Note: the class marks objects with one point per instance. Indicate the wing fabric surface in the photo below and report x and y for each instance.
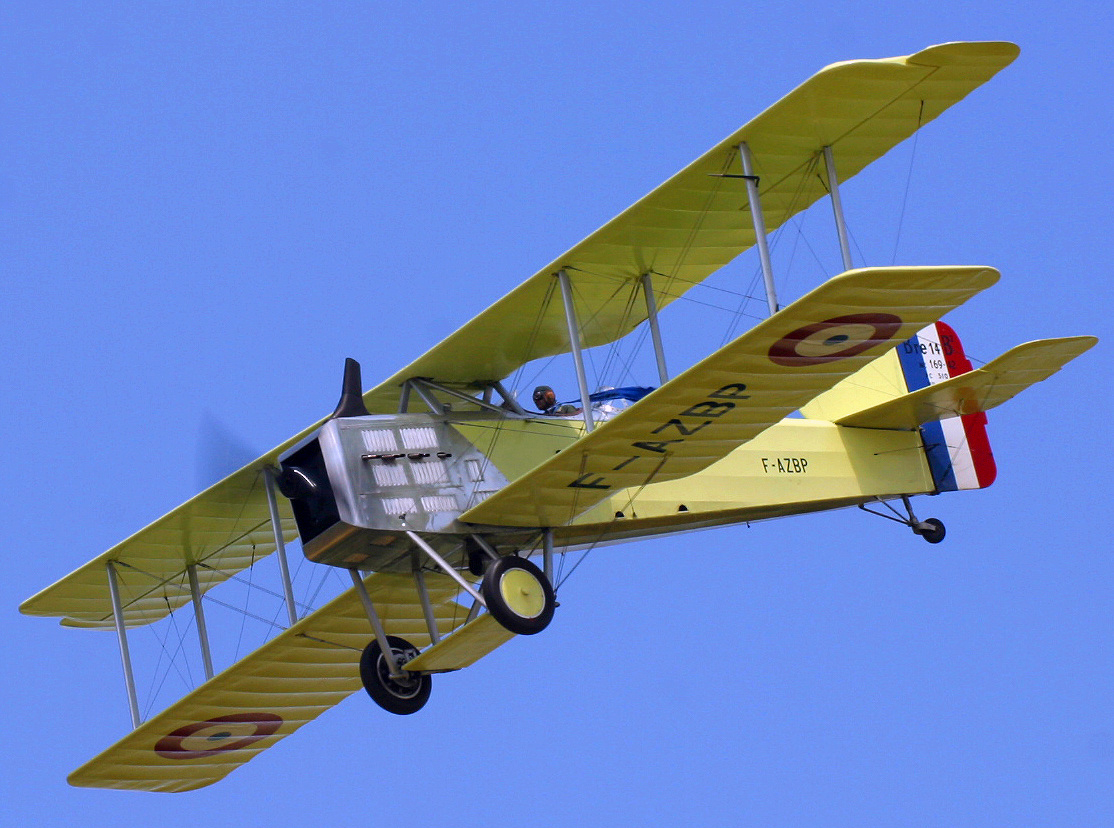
(738, 392)
(224, 530)
(976, 391)
(696, 222)
(289, 681)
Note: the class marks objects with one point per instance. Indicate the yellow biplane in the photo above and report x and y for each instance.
(434, 489)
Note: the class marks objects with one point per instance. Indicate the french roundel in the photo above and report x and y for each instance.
(833, 339)
(217, 735)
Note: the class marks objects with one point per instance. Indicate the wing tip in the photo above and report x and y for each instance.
(991, 53)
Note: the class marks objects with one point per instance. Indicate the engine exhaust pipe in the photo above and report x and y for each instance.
(351, 394)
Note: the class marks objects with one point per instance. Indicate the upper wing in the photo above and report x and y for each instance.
(269, 694)
(738, 392)
(980, 390)
(697, 221)
(224, 530)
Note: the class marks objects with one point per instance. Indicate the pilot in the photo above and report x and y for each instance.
(546, 402)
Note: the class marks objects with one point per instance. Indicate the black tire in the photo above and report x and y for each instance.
(932, 530)
(518, 595)
(401, 697)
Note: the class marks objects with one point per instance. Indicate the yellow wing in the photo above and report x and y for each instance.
(224, 530)
(980, 390)
(738, 392)
(269, 694)
(697, 221)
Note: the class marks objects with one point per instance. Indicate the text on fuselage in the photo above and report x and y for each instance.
(674, 431)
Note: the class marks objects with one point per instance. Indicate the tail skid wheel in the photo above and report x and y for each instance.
(401, 696)
(518, 595)
(931, 529)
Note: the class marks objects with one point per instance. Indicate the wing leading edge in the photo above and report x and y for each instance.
(738, 392)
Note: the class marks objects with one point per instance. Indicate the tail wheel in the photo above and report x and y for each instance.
(404, 695)
(931, 529)
(518, 595)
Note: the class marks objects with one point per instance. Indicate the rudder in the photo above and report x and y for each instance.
(958, 448)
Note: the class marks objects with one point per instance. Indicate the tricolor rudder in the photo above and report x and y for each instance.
(958, 448)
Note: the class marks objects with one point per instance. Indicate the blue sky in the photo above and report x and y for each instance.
(209, 205)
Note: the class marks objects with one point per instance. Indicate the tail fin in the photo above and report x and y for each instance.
(958, 448)
(927, 382)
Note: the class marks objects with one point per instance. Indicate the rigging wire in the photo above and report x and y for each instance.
(908, 182)
(247, 601)
(173, 662)
(152, 691)
(610, 524)
(616, 364)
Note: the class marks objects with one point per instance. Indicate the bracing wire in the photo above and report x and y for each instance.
(247, 601)
(608, 526)
(908, 183)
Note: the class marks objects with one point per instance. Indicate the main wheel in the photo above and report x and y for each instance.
(403, 695)
(518, 595)
(932, 530)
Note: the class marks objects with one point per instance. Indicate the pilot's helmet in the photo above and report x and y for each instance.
(544, 398)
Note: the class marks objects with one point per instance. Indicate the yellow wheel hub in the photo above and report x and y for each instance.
(522, 593)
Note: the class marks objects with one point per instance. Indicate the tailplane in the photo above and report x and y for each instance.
(927, 382)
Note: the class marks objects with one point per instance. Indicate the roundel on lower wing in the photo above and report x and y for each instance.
(838, 338)
(217, 735)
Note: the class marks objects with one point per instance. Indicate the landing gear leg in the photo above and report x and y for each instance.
(931, 529)
(390, 686)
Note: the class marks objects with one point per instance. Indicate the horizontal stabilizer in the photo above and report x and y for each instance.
(738, 392)
(976, 391)
(284, 684)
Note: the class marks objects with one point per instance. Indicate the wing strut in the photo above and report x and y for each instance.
(280, 547)
(122, 635)
(199, 615)
(759, 224)
(837, 207)
(655, 331)
(574, 344)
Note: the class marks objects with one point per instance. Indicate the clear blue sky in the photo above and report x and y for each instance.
(207, 206)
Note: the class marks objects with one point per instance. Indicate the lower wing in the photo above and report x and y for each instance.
(738, 392)
(284, 684)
